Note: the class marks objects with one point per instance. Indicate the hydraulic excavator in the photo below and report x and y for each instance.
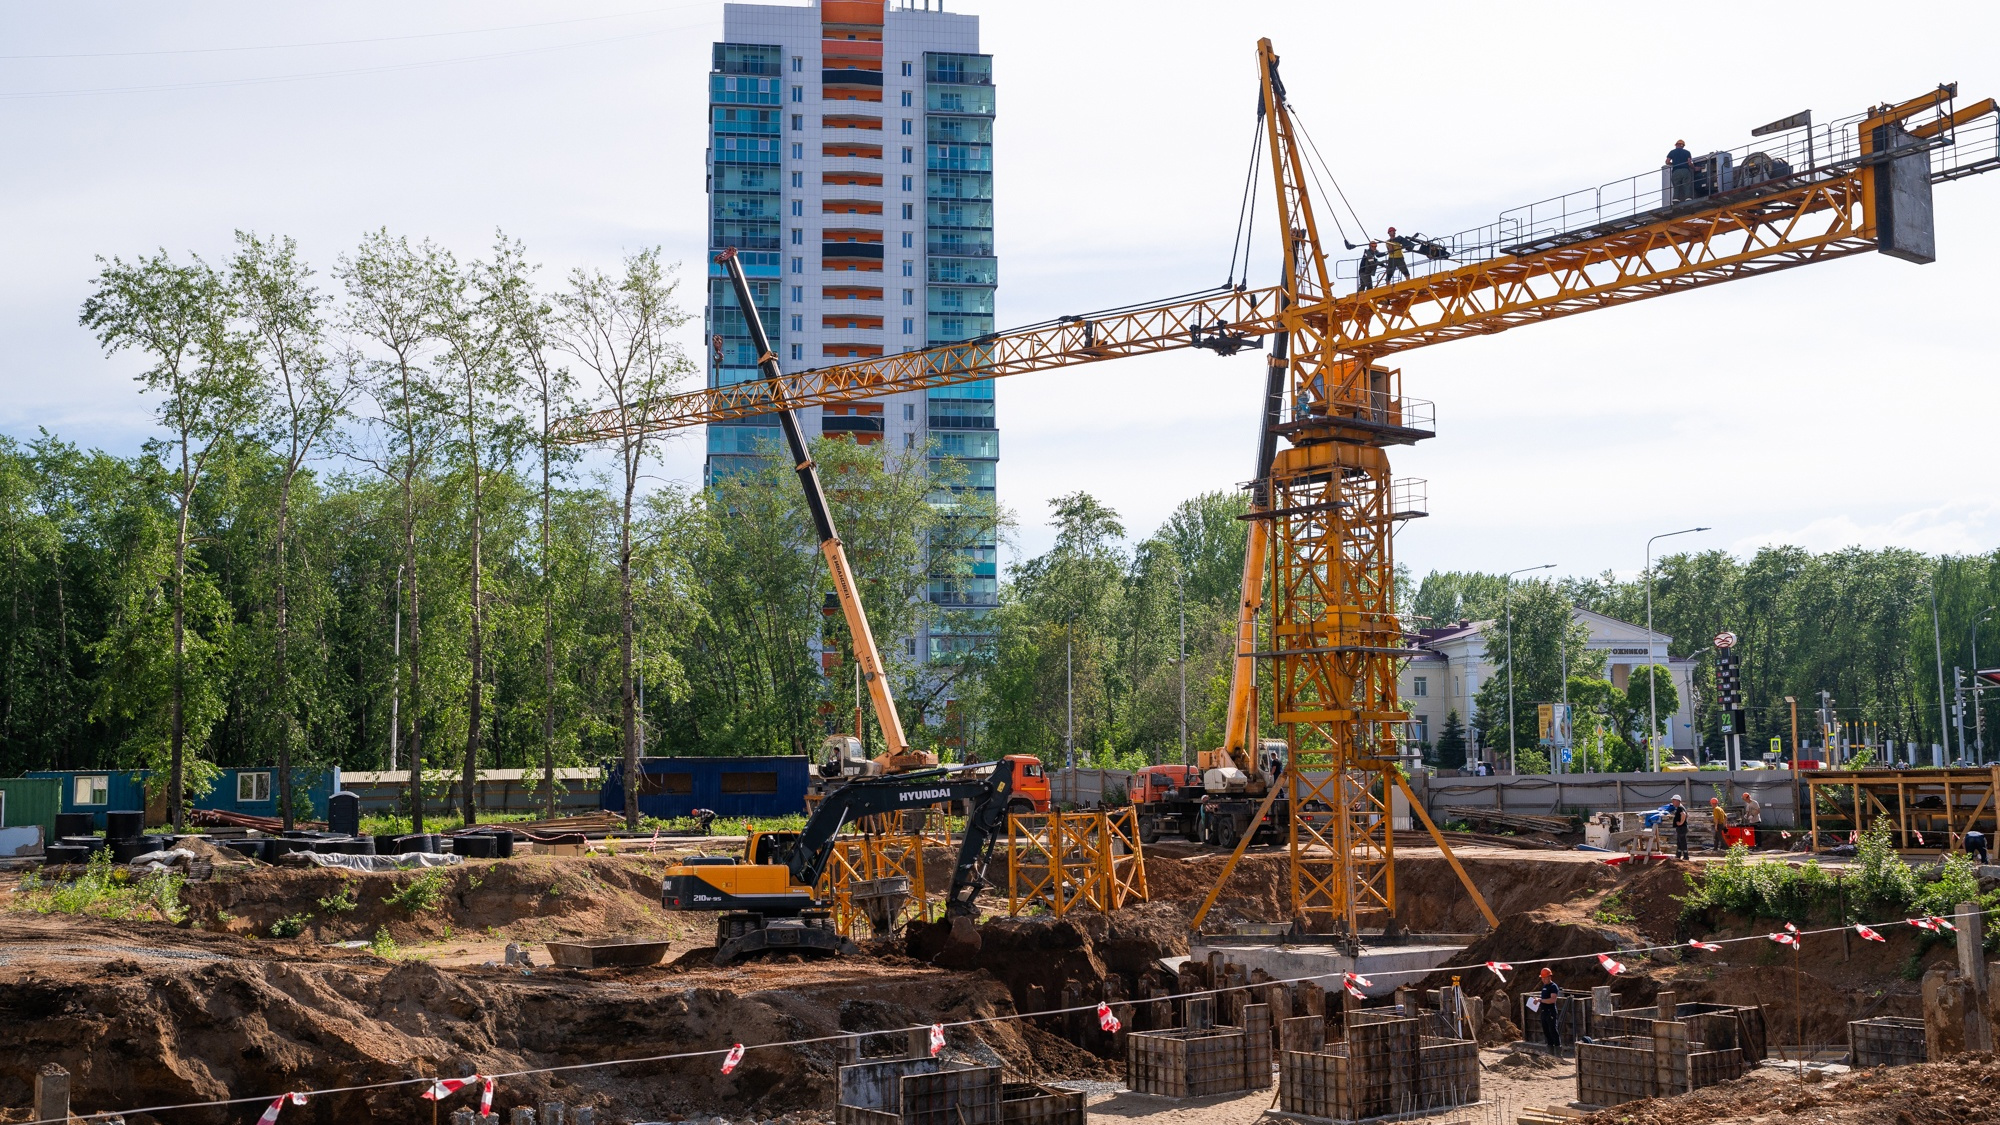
(769, 898)
(1323, 505)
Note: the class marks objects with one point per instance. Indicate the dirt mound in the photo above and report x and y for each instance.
(154, 1031)
(1522, 1058)
(1950, 1093)
(532, 898)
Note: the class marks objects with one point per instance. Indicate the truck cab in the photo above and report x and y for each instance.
(1031, 785)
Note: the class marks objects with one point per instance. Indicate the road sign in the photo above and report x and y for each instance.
(1725, 640)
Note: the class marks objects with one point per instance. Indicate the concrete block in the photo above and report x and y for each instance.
(52, 1093)
(463, 1116)
(552, 1113)
(521, 1115)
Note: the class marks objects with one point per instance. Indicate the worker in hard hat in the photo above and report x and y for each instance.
(1677, 815)
(1680, 170)
(1550, 1000)
(1371, 257)
(1720, 819)
(1396, 264)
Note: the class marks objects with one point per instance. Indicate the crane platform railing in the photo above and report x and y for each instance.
(1769, 165)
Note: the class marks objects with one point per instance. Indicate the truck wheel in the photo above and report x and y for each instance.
(1191, 833)
(1225, 835)
(1020, 808)
(1149, 830)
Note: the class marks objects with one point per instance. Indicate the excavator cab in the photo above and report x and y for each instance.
(842, 755)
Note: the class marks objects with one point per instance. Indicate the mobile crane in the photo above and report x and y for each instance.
(1326, 504)
(769, 898)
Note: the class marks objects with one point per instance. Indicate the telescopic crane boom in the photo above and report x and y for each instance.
(1325, 498)
(865, 652)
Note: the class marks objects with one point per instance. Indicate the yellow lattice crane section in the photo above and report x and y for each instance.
(1326, 506)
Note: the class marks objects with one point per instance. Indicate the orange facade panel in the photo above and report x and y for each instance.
(850, 121)
(849, 234)
(851, 206)
(854, 50)
(851, 351)
(855, 179)
(865, 13)
(832, 263)
(850, 320)
(852, 148)
(854, 409)
(851, 293)
(832, 92)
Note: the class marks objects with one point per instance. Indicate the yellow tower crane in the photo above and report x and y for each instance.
(1324, 504)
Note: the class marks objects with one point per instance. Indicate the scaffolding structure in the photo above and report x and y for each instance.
(1931, 810)
(883, 871)
(1061, 862)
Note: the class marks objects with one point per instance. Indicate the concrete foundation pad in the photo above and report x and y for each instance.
(1328, 967)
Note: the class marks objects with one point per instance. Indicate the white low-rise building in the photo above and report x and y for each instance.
(1451, 665)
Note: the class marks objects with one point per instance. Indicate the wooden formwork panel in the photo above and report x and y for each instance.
(1025, 1103)
(1185, 1063)
(855, 1115)
(1314, 1084)
(1256, 1047)
(1447, 1072)
(1886, 1041)
(1616, 1070)
(1709, 1068)
(953, 1097)
(1573, 1018)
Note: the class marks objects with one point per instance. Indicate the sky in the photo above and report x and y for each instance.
(1850, 403)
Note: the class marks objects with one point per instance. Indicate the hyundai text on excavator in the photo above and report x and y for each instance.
(769, 899)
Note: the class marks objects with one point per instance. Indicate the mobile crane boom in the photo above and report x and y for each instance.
(865, 652)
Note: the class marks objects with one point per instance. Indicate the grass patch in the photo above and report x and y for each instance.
(422, 893)
(104, 890)
(1614, 910)
(382, 945)
(341, 901)
(290, 926)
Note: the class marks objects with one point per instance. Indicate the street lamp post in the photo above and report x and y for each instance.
(1507, 599)
(1180, 592)
(1978, 726)
(1937, 640)
(1652, 692)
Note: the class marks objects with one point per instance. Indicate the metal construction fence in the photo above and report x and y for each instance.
(1552, 794)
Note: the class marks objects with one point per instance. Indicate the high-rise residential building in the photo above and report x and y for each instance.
(850, 163)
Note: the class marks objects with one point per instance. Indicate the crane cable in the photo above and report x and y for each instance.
(1247, 207)
(1313, 148)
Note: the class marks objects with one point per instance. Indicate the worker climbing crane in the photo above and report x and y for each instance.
(1320, 567)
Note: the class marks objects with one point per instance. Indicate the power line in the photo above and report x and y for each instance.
(347, 42)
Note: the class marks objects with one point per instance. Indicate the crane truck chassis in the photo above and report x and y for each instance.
(769, 898)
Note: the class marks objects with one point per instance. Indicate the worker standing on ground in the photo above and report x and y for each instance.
(1721, 821)
(1396, 263)
(1680, 169)
(1550, 999)
(1677, 815)
(1365, 271)
(1753, 813)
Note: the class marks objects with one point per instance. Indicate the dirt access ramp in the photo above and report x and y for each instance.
(1965, 1091)
(188, 1017)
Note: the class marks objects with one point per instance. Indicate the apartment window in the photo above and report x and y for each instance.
(906, 126)
(798, 265)
(907, 240)
(799, 207)
(1420, 687)
(909, 329)
(906, 70)
(798, 63)
(906, 183)
(909, 409)
(798, 179)
(798, 294)
(798, 122)
(909, 439)
(798, 151)
(798, 93)
(909, 157)
(909, 212)
(253, 786)
(798, 351)
(909, 268)
(906, 101)
(909, 296)
(1421, 729)
(91, 789)
(798, 323)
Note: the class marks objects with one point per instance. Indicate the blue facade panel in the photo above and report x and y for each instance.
(730, 787)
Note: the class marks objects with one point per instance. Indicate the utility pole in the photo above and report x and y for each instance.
(1978, 717)
(1793, 700)
(1958, 706)
(1652, 693)
(1180, 591)
(1561, 730)
(1937, 639)
(1069, 690)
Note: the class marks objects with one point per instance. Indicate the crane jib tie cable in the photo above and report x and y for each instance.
(1789, 932)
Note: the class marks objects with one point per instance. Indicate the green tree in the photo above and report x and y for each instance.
(1446, 597)
(1635, 708)
(1546, 640)
(179, 316)
(1451, 742)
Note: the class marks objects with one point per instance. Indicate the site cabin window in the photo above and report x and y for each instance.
(748, 782)
(1420, 687)
(666, 784)
(253, 787)
(92, 789)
